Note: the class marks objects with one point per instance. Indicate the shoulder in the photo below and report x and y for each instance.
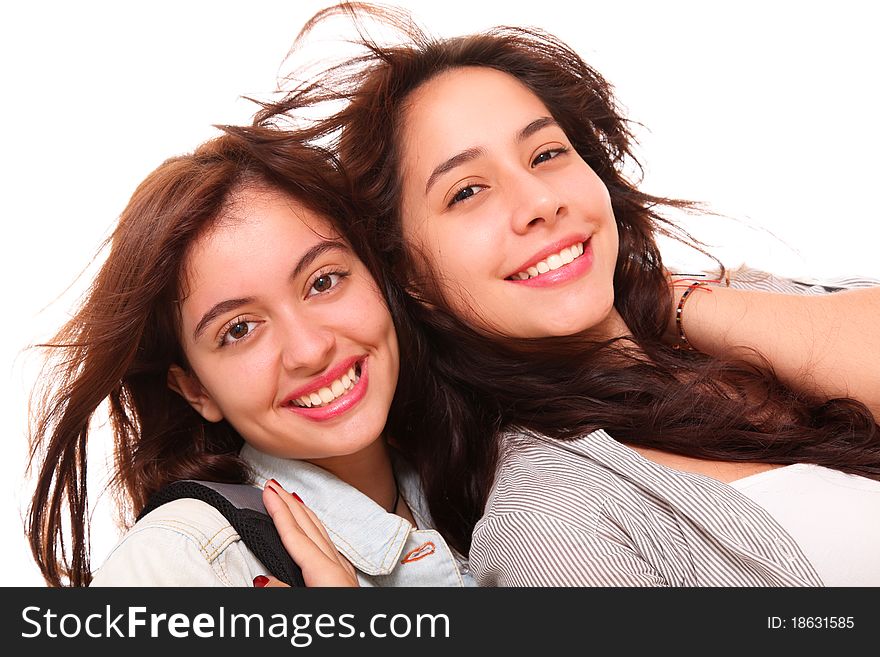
(546, 486)
(185, 542)
(554, 518)
(192, 519)
(564, 473)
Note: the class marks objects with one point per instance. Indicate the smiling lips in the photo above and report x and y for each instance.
(331, 397)
(552, 262)
(561, 266)
(335, 390)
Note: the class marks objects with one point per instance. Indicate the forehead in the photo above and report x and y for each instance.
(258, 212)
(464, 101)
(460, 110)
(258, 229)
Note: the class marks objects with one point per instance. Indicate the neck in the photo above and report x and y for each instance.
(368, 470)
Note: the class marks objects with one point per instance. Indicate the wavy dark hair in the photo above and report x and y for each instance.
(461, 388)
(118, 346)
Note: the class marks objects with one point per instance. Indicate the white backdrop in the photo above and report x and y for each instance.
(766, 111)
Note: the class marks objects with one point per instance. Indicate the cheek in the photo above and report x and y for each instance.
(369, 324)
(419, 246)
(596, 202)
(613, 235)
(238, 383)
(464, 252)
(593, 192)
(459, 254)
(366, 317)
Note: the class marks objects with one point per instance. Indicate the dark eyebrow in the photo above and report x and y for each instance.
(451, 163)
(231, 304)
(535, 126)
(316, 252)
(473, 153)
(216, 311)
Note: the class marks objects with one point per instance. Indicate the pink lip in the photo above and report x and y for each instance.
(323, 381)
(575, 269)
(339, 405)
(548, 251)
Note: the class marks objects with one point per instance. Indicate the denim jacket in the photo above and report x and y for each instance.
(189, 543)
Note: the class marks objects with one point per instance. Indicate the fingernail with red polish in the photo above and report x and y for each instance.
(299, 499)
(276, 483)
(260, 581)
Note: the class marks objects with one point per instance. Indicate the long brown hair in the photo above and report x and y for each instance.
(119, 344)
(460, 388)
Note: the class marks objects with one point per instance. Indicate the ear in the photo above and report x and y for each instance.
(190, 388)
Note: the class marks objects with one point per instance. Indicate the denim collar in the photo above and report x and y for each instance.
(365, 533)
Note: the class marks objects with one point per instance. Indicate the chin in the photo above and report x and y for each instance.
(561, 330)
(572, 323)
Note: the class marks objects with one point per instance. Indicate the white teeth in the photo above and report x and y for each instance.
(555, 261)
(327, 394)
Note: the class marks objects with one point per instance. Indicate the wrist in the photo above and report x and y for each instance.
(686, 295)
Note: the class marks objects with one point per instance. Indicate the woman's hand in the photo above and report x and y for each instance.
(306, 541)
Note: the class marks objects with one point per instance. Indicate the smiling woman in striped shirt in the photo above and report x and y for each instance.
(563, 434)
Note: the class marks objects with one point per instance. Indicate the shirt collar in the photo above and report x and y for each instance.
(366, 534)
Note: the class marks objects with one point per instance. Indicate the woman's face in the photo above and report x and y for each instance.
(516, 226)
(286, 333)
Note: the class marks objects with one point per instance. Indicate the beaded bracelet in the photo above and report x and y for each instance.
(682, 338)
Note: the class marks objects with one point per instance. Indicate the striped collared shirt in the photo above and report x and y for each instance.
(593, 512)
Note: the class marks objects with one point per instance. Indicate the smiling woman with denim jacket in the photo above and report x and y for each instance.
(236, 336)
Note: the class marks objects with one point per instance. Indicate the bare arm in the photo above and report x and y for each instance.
(825, 344)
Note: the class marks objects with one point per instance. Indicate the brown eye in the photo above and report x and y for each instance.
(322, 283)
(326, 282)
(239, 330)
(465, 193)
(548, 155)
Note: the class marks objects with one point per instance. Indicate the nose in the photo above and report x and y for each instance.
(537, 202)
(307, 345)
